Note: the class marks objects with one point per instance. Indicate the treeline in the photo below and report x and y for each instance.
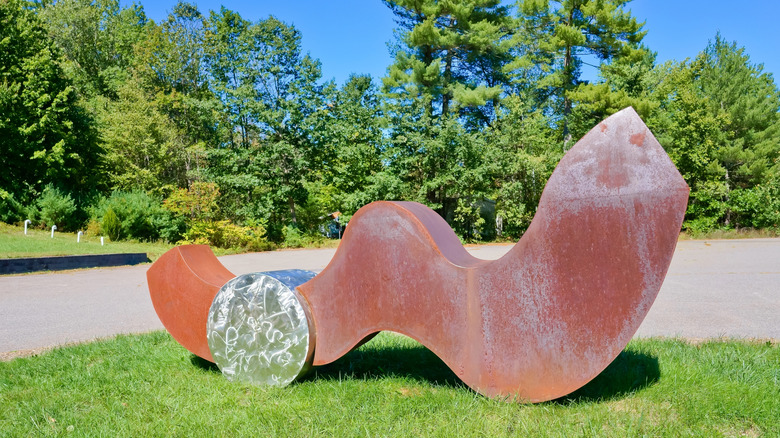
(208, 127)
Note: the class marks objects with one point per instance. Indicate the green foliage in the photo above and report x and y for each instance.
(719, 121)
(522, 154)
(441, 47)
(199, 202)
(56, 208)
(470, 118)
(140, 215)
(110, 225)
(758, 206)
(555, 35)
(225, 234)
(45, 136)
(143, 149)
(11, 210)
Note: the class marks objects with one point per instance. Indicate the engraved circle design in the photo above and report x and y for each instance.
(257, 328)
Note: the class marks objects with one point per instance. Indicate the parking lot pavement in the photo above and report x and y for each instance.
(714, 288)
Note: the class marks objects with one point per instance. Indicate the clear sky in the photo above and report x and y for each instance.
(351, 36)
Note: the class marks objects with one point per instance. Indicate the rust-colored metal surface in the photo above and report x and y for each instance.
(551, 314)
(182, 284)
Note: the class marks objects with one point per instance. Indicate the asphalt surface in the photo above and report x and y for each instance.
(719, 288)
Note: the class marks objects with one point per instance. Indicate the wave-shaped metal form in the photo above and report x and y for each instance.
(182, 285)
(534, 325)
(552, 313)
(258, 330)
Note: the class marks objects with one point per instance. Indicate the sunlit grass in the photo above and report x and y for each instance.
(148, 385)
(38, 243)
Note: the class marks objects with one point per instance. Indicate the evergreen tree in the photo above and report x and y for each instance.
(560, 34)
(718, 120)
(450, 53)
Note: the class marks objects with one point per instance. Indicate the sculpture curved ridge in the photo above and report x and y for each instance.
(534, 325)
(548, 316)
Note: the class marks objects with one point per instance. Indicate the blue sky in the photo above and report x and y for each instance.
(351, 36)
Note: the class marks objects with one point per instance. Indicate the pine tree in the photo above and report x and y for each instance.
(560, 34)
(451, 53)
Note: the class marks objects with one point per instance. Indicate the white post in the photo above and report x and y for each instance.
(53, 227)
(28, 221)
(101, 240)
(78, 236)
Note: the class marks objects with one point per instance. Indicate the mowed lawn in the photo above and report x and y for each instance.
(39, 243)
(147, 385)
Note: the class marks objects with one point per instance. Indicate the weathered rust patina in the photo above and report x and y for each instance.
(182, 283)
(552, 313)
(534, 325)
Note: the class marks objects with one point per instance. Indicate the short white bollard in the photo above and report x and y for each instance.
(53, 227)
(101, 240)
(78, 236)
(28, 221)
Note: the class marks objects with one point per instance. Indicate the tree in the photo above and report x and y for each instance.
(97, 40)
(449, 53)
(719, 121)
(520, 156)
(45, 136)
(143, 149)
(443, 87)
(170, 67)
(561, 33)
(269, 89)
(625, 81)
(351, 125)
(750, 102)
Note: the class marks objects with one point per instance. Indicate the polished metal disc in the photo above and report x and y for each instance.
(258, 329)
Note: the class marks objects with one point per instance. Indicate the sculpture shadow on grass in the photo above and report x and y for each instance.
(630, 372)
(203, 364)
(413, 362)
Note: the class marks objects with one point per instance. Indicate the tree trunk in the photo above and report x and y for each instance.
(445, 100)
(292, 210)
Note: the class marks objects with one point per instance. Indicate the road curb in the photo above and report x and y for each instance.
(60, 263)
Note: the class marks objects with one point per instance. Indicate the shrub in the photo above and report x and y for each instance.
(293, 238)
(56, 208)
(110, 225)
(225, 234)
(139, 214)
(199, 202)
(296, 238)
(10, 210)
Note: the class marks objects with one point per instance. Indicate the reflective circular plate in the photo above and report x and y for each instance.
(258, 330)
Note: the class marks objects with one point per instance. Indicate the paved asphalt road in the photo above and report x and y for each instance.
(713, 288)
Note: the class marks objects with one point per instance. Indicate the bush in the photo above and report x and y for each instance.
(295, 238)
(10, 210)
(56, 208)
(140, 215)
(757, 207)
(225, 234)
(110, 225)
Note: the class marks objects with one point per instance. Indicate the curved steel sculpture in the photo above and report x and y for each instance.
(534, 325)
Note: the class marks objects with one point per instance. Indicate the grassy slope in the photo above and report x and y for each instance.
(38, 243)
(147, 385)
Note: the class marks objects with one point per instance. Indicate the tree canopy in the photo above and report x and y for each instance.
(209, 112)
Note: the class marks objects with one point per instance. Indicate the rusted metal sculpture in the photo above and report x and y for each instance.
(534, 325)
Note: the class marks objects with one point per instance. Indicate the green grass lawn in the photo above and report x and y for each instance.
(39, 243)
(148, 385)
